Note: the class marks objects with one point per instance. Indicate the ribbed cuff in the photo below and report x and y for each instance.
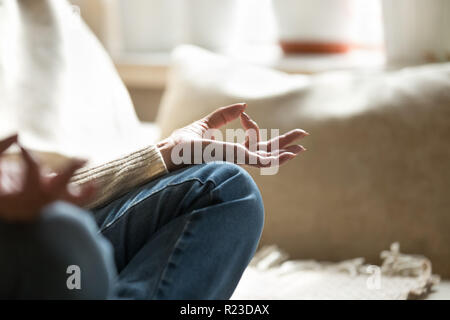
(119, 176)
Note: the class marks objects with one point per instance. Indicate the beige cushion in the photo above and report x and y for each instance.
(377, 169)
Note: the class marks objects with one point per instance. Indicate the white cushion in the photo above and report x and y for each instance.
(58, 87)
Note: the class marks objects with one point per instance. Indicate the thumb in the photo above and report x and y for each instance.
(223, 115)
(5, 144)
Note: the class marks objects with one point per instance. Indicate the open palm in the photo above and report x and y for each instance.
(277, 150)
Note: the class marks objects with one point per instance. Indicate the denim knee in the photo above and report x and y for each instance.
(60, 216)
(66, 237)
(237, 184)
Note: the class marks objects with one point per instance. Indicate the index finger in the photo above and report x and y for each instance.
(249, 125)
(32, 168)
(8, 142)
(223, 115)
(60, 181)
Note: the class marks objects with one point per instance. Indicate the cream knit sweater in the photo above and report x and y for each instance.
(59, 90)
(118, 176)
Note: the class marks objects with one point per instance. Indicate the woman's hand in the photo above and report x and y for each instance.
(25, 190)
(255, 152)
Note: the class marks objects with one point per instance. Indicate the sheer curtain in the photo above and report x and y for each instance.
(417, 31)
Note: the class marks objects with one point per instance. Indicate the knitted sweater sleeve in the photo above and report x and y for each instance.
(117, 177)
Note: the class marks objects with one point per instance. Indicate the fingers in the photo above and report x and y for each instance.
(81, 195)
(59, 188)
(295, 149)
(251, 127)
(223, 115)
(285, 139)
(33, 173)
(58, 184)
(8, 142)
(56, 187)
(238, 154)
(285, 157)
(266, 160)
(11, 176)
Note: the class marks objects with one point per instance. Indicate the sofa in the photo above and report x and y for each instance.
(377, 166)
(377, 169)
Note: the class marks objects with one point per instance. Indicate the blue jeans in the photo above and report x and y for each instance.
(187, 235)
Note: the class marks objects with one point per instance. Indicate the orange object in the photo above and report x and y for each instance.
(314, 47)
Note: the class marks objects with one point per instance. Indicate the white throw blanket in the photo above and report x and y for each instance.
(272, 276)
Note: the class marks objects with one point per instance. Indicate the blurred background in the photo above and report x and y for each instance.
(369, 79)
(295, 36)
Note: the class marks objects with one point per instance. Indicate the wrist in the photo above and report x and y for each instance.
(165, 148)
